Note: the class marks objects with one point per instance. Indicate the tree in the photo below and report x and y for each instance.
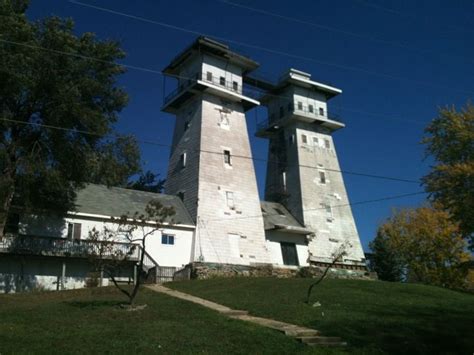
(147, 181)
(385, 261)
(41, 87)
(133, 229)
(336, 256)
(425, 245)
(449, 140)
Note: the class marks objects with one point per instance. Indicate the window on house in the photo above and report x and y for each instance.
(300, 105)
(235, 86)
(282, 112)
(74, 231)
(322, 177)
(321, 111)
(315, 141)
(180, 195)
(182, 160)
(310, 108)
(209, 76)
(304, 138)
(227, 157)
(229, 195)
(222, 81)
(327, 144)
(186, 126)
(167, 239)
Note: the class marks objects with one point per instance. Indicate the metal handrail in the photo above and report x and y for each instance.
(214, 80)
(268, 122)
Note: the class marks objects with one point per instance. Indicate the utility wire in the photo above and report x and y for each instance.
(213, 152)
(158, 72)
(265, 49)
(393, 197)
(337, 30)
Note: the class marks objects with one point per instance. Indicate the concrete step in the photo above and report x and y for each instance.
(300, 332)
(324, 341)
(235, 313)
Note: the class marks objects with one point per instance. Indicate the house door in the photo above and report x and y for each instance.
(289, 254)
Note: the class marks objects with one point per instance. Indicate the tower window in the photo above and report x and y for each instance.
(327, 144)
(222, 81)
(182, 160)
(227, 157)
(209, 76)
(321, 111)
(310, 108)
(315, 141)
(304, 138)
(300, 105)
(322, 177)
(235, 86)
(229, 195)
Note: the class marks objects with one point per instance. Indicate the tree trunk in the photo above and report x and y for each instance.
(6, 196)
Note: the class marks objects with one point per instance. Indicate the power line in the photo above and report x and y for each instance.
(336, 30)
(393, 197)
(268, 50)
(158, 72)
(214, 152)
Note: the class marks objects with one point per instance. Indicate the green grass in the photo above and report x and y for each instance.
(89, 321)
(371, 316)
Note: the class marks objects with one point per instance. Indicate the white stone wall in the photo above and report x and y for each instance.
(274, 239)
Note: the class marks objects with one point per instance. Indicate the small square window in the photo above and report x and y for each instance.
(235, 86)
(315, 141)
(227, 157)
(167, 239)
(321, 111)
(310, 108)
(300, 105)
(322, 177)
(327, 144)
(182, 160)
(222, 81)
(304, 138)
(209, 76)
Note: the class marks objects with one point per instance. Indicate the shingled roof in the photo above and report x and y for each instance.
(277, 217)
(115, 202)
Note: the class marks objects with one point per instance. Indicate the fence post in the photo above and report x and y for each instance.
(63, 275)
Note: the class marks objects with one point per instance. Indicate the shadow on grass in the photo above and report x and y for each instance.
(93, 304)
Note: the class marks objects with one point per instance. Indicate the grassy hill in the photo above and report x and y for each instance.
(373, 317)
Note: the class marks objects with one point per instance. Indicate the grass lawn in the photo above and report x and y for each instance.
(371, 316)
(89, 321)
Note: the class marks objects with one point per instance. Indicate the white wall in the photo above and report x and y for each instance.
(273, 240)
(176, 255)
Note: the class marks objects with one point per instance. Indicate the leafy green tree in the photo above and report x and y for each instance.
(449, 140)
(425, 245)
(41, 87)
(385, 261)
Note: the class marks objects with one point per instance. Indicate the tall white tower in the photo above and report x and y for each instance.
(210, 166)
(303, 170)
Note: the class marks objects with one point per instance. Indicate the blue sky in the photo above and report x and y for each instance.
(396, 62)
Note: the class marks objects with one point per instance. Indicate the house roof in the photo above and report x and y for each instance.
(277, 217)
(115, 202)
